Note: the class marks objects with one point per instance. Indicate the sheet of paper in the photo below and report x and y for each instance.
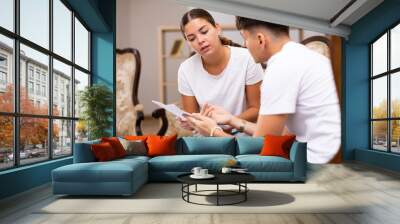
(172, 108)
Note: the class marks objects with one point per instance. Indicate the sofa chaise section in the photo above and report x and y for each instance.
(87, 177)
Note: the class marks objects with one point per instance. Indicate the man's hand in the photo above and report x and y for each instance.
(202, 124)
(218, 114)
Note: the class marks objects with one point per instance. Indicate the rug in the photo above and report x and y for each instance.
(166, 198)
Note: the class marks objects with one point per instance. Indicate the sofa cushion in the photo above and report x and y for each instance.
(161, 145)
(134, 147)
(206, 145)
(112, 171)
(83, 152)
(257, 163)
(185, 163)
(277, 145)
(103, 152)
(249, 145)
(116, 145)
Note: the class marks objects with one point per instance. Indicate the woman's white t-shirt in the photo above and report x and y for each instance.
(227, 89)
(299, 82)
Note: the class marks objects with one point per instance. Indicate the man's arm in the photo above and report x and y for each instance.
(266, 125)
(253, 102)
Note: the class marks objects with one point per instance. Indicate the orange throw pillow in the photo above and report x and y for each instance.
(116, 145)
(161, 145)
(277, 145)
(103, 152)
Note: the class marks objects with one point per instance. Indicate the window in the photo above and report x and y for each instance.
(6, 73)
(30, 72)
(3, 72)
(81, 45)
(7, 14)
(38, 89)
(30, 87)
(44, 91)
(385, 91)
(37, 74)
(35, 22)
(54, 125)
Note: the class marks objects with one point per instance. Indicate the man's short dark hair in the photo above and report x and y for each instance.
(243, 23)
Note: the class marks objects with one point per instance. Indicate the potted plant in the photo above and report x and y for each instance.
(96, 102)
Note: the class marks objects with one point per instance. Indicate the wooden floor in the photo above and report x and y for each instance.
(378, 188)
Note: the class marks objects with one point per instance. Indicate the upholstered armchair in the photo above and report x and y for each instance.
(129, 111)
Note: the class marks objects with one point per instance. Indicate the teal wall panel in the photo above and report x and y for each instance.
(356, 71)
(100, 17)
(24, 178)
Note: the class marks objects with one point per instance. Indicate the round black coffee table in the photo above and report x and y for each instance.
(238, 179)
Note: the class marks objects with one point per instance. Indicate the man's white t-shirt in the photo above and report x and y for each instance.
(226, 89)
(300, 82)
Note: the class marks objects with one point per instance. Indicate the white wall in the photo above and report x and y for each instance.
(137, 27)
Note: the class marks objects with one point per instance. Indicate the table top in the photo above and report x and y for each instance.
(220, 178)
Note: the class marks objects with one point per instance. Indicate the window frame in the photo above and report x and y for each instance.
(16, 114)
(388, 74)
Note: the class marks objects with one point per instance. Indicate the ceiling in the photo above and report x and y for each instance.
(325, 16)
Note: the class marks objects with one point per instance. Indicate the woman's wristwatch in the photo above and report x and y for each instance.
(214, 129)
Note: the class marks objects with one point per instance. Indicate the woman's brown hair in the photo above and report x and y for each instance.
(198, 13)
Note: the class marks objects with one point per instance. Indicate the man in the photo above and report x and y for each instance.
(298, 92)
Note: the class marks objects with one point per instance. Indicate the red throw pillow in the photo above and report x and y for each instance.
(136, 138)
(116, 145)
(277, 145)
(161, 145)
(103, 151)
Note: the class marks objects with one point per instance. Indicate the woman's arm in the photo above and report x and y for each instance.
(189, 104)
(253, 103)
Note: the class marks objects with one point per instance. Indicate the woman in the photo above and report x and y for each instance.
(218, 74)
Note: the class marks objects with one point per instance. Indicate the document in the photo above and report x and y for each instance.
(172, 108)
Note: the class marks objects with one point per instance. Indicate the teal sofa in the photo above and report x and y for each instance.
(125, 176)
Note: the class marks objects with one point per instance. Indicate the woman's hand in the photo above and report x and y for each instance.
(184, 123)
(202, 124)
(218, 114)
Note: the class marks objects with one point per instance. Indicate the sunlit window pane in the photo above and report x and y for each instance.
(379, 56)
(395, 95)
(35, 21)
(81, 131)
(6, 74)
(81, 45)
(379, 98)
(6, 142)
(62, 138)
(34, 143)
(379, 135)
(81, 81)
(34, 72)
(7, 14)
(62, 89)
(62, 29)
(395, 136)
(395, 47)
